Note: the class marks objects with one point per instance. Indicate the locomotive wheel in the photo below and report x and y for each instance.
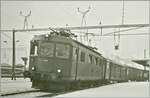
(79, 85)
(76, 85)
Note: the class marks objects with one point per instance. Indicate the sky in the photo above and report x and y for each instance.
(59, 13)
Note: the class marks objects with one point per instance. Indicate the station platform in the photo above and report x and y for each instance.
(9, 86)
(129, 89)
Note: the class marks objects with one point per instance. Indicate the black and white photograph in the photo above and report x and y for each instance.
(73, 48)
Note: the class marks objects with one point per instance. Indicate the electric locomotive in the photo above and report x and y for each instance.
(59, 62)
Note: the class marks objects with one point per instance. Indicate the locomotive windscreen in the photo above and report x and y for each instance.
(54, 49)
(62, 50)
(47, 49)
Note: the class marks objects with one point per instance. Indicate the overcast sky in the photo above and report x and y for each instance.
(60, 13)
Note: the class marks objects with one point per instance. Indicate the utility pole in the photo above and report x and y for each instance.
(149, 47)
(100, 23)
(123, 12)
(13, 57)
(5, 52)
(118, 35)
(144, 53)
(84, 20)
(25, 19)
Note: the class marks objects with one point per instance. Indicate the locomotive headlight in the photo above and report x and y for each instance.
(46, 35)
(58, 70)
(33, 68)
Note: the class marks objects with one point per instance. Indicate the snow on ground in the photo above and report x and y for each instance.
(129, 89)
(8, 86)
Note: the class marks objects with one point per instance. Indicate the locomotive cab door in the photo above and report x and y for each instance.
(75, 62)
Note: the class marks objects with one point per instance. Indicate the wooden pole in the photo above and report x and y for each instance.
(13, 57)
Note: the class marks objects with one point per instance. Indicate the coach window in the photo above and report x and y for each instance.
(127, 71)
(47, 49)
(118, 70)
(82, 57)
(62, 50)
(108, 65)
(145, 74)
(90, 59)
(141, 74)
(96, 61)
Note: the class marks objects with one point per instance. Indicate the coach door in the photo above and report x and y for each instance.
(107, 70)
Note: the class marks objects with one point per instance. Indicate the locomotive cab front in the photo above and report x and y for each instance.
(50, 60)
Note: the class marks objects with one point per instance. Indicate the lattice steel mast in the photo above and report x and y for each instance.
(83, 21)
(25, 19)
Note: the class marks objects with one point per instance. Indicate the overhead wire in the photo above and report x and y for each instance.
(124, 30)
(80, 28)
(107, 34)
(113, 34)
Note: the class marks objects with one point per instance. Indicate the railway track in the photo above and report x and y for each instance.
(21, 92)
(34, 93)
(28, 94)
(42, 93)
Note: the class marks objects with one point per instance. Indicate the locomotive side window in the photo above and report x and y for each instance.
(96, 61)
(90, 59)
(100, 62)
(82, 57)
(47, 49)
(75, 53)
(62, 50)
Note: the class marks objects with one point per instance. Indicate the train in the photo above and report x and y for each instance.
(60, 62)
